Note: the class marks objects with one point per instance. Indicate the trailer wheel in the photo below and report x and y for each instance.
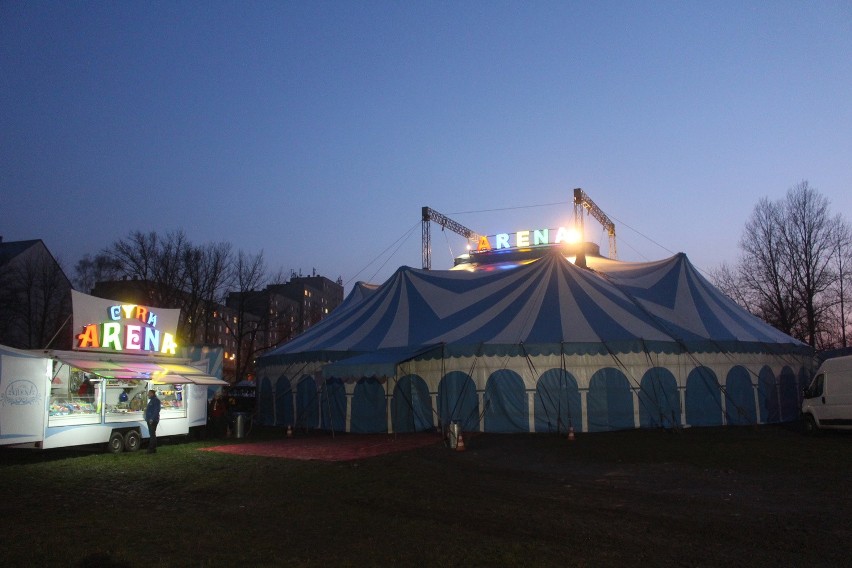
(116, 443)
(132, 441)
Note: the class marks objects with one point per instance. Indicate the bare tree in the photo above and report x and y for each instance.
(90, 270)
(839, 295)
(245, 326)
(35, 302)
(136, 255)
(790, 272)
(207, 273)
(811, 235)
(159, 265)
(170, 270)
(765, 272)
(726, 278)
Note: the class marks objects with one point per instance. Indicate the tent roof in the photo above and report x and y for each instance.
(621, 306)
(375, 364)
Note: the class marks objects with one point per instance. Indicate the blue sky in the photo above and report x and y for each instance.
(316, 131)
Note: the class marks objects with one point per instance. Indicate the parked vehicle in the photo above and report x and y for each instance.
(827, 402)
(61, 399)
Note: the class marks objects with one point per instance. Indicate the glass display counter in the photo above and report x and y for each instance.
(72, 403)
(84, 398)
(172, 403)
(64, 410)
(125, 400)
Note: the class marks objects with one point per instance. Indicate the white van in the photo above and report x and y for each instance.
(827, 401)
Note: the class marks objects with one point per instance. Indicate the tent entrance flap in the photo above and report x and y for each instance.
(377, 364)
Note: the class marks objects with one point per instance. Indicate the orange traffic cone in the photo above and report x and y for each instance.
(289, 431)
(460, 443)
(570, 433)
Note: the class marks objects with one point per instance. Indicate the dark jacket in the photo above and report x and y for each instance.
(152, 411)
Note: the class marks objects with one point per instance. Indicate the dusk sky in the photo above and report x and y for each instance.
(316, 131)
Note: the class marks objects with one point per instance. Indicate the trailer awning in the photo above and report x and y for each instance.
(173, 380)
(195, 375)
(158, 372)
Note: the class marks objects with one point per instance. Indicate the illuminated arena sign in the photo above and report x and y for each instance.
(127, 328)
(524, 239)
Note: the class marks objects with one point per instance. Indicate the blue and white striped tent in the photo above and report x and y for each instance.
(541, 347)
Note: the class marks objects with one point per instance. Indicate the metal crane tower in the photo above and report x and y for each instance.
(583, 201)
(429, 215)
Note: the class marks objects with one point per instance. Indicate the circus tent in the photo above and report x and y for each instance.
(542, 347)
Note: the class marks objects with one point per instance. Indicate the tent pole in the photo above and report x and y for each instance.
(328, 407)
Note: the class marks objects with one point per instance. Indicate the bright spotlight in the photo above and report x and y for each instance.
(573, 235)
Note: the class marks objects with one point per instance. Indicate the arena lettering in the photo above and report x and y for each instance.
(524, 239)
(118, 337)
(121, 334)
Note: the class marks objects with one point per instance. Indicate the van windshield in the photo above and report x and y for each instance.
(817, 386)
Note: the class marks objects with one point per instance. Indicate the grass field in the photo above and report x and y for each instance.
(698, 497)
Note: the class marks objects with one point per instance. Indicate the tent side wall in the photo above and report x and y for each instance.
(552, 393)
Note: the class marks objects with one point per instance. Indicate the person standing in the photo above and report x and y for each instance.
(152, 417)
(218, 415)
(86, 390)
